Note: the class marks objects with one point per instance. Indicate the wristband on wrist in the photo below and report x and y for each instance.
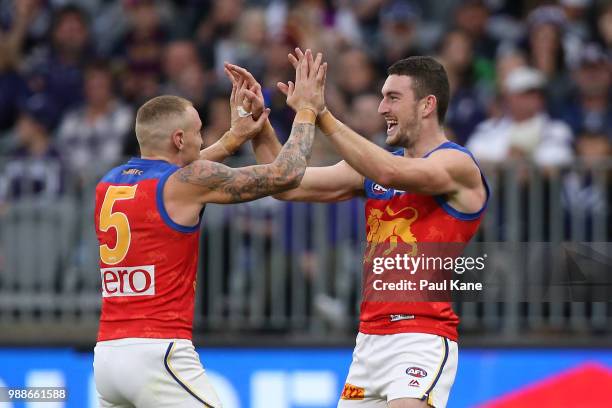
(310, 109)
(327, 122)
(307, 115)
(227, 144)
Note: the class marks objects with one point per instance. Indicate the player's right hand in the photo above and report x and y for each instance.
(253, 100)
(243, 128)
(308, 91)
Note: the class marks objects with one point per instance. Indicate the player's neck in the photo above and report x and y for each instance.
(425, 143)
(159, 156)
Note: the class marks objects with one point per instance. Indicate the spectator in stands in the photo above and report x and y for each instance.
(577, 30)
(545, 48)
(59, 73)
(34, 167)
(91, 137)
(398, 32)
(367, 13)
(24, 25)
(365, 119)
(214, 32)
(277, 68)
(13, 88)
(583, 193)
(465, 110)
(604, 27)
(177, 55)
(593, 148)
(140, 48)
(525, 130)
(183, 73)
(507, 61)
(590, 110)
(217, 119)
(142, 44)
(355, 74)
(472, 17)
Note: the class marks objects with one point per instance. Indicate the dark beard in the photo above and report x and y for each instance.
(407, 139)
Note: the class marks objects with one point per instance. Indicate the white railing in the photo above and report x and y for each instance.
(292, 268)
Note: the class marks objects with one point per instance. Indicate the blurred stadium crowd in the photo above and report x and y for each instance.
(528, 78)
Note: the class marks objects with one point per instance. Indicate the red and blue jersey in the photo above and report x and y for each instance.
(148, 262)
(406, 219)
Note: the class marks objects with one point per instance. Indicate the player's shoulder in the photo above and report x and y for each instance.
(458, 161)
(453, 152)
(136, 170)
(112, 174)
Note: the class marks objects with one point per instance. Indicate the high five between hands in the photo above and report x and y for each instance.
(306, 93)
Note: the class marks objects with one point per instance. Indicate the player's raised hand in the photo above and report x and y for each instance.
(243, 125)
(309, 88)
(254, 101)
(294, 60)
(246, 127)
(242, 101)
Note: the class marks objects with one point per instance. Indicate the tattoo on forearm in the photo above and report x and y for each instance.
(248, 183)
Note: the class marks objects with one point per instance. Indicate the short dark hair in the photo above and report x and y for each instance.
(67, 10)
(428, 78)
(99, 65)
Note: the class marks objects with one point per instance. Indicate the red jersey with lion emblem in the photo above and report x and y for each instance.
(148, 263)
(401, 220)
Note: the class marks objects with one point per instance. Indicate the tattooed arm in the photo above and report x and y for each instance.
(205, 181)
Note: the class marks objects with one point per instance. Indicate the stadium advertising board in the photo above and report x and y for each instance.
(314, 378)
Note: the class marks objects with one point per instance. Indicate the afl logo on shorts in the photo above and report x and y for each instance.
(378, 189)
(128, 281)
(416, 372)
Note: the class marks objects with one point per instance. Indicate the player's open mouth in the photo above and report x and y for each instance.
(391, 125)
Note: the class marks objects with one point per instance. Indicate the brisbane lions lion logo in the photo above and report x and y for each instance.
(391, 227)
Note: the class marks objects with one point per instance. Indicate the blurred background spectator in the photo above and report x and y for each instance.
(525, 130)
(56, 69)
(366, 120)
(589, 108)
(583, 195)
(466, 109)
(492, 51)
(34, 168)
(91, 137)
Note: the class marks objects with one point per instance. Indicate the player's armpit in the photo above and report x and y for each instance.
(326, 184)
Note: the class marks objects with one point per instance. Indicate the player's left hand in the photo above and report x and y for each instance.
(309, 87)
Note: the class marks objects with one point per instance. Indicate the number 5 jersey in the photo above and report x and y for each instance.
(148, 263)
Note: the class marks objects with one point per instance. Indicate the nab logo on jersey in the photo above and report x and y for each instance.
(378, 189)
(128, 281)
